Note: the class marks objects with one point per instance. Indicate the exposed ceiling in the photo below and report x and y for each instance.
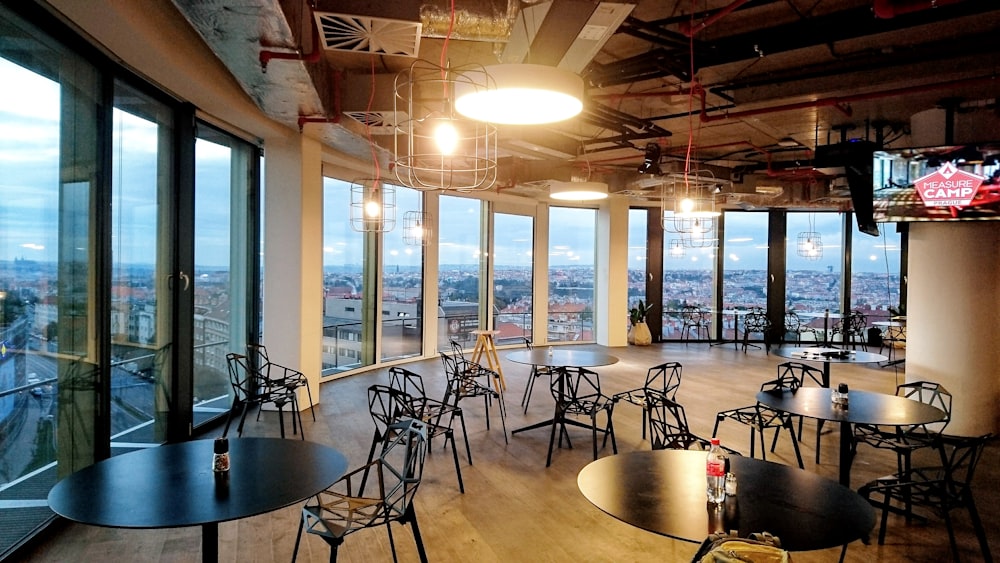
(772, 79)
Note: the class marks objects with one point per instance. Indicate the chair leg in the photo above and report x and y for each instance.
(298, 538)
(450, 435)
(795, 445)
(977, 525)
(526, 398)
(410, 517)
(465, 435)
(229, 417)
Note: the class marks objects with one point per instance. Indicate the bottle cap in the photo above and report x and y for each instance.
(715, 441)
(842, 388)
(221, 445)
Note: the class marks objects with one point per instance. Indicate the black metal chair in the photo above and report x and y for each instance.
(291, 378)
(669, 430)
(250, 388)
(852, 329)
(438, 416)
(536, 372)
(905, 440)
(760, 418)
(467, 380)
(940, 489)
(577, 392)
(661, 381)
(344, 508)
(754, 322)
(697, 319)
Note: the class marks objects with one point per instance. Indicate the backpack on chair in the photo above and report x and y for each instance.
(756, 548)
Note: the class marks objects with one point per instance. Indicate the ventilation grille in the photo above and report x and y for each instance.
(366, 34)
(378, 122)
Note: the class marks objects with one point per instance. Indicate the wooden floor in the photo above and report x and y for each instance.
(516, 509)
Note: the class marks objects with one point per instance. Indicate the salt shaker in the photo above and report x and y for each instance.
(220, 460)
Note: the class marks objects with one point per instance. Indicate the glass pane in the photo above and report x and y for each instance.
(688, 274)
(512, 275)
(141, 234)
(49, 350)
(572, 236)
(813, 269)
(343, 277)
(875, 268)
(744, 278)
(637, 219)
(458, 271)
(223, 175)
(403, 281)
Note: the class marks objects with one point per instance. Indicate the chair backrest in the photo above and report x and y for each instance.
(527, 343)
(756, 321)
(407, 381)
(929, 393)
(581, 388)
(857, 322)
(239, 375)
(959, 456)
(402, 466)
(694, 315)
(664, 378)
(458, 352)
(387, 405)
(792, 322)
(799, 371)
(668, 427)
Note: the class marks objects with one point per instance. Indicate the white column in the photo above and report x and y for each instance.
(611, 285)
(293, 256)
(952, 309)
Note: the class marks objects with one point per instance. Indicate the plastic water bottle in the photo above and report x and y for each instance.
(715, 473)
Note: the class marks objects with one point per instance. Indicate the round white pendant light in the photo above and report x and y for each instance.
(524, 94)
(578, 191)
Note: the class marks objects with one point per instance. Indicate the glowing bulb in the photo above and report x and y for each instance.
(697, 228)
(417, 232)
(446, 137)
(372, 209)
(687, 205)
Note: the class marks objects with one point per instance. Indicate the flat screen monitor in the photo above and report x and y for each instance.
(944, 183)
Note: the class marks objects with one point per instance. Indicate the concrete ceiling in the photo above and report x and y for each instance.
(773, 79)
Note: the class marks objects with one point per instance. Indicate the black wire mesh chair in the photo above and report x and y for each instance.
(282, 375)
(754, 322)
(345, 508)
(577, 392)
(905, 440)
(697, 319)
(852, 330)
(251, 389)
(940, 489)
(669, 430)
(662, 380)
(760, 418)
(467, 379)
(536, 372)
(439, 417)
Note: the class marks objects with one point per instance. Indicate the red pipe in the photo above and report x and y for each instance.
(886, 9)
(836, 101)
(311, 57)
(689, 29)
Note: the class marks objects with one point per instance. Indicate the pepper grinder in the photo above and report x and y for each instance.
(220, 460)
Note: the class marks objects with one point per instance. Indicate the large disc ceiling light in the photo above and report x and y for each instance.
(578, 191)
(520, 94)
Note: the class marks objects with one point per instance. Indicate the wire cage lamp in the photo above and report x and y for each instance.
(676, 249)
(810, 243)
(688, 201)
(437, 148)
(416, 229)
(373, 206)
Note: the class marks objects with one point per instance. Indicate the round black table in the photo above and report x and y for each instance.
(828, 356)
(663, 491)
(864, 407)
(173, 485)
(559, 357)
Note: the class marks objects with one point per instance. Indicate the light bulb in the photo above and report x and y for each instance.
(687, 205)
(697, 228)
(446, 137)
(417, 232)
(372, 209)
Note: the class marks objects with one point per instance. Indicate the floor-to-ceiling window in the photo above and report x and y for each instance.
(744, 263)
(226, 173)
(460, 269)
(343, 281)
(402, 278)
(875, 272)
(813, 269)
(637, 219)
(572, 259)
(512, 277)
(688, 273)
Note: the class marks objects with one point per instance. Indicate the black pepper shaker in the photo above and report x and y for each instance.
(220, 460)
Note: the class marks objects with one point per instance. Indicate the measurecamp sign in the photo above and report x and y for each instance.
(948, 186)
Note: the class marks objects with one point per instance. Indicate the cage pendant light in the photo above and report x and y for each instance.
(373, 206)
(676, 249)
(416, 230)
(435, 147)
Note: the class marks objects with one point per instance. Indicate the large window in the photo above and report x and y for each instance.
(402, 280)
(688, 274)
(343, 281)
(875, 272)
(572, 237)
(637, 256)
(813, 270)
(744, 276)
(460, 268)
(512, 275)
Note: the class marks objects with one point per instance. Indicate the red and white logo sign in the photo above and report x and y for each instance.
(947, 187)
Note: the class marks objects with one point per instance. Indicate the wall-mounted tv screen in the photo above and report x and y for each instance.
(946, 183)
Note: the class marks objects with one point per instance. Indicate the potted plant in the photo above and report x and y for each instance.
(639, 333)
